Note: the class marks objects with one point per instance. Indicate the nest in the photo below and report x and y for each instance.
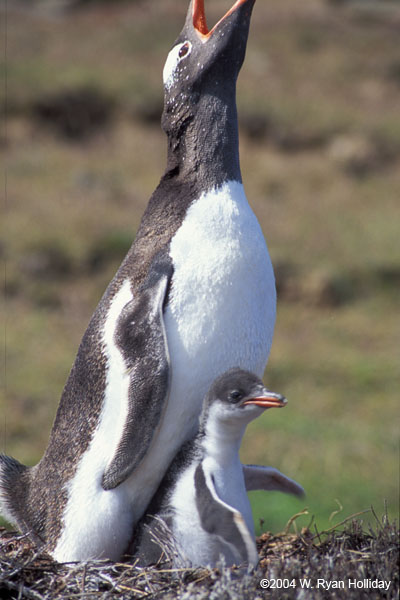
(287, 559)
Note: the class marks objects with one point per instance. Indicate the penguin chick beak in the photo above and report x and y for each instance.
(269, 400)
(199, 18)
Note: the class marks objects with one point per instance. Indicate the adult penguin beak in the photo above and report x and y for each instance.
(199, 16)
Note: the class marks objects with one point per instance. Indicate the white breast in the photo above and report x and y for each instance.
(221, 312)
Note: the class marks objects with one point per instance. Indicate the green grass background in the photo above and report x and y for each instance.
(323, 79)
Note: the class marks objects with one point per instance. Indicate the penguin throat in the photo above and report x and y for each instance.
(221, 441)
(204, 145)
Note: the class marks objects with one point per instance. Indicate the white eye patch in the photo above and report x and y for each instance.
(177, 54)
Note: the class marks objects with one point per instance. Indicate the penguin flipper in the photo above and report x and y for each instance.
(257, 477)
(140, 334)
(223, 520)
(11, 473)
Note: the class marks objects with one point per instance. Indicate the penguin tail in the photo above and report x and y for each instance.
(11, 474)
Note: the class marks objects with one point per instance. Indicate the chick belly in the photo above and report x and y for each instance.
(195, 546)
(198, 548)
(231, 489)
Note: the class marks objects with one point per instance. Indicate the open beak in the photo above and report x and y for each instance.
(199, 17)
(270, 400)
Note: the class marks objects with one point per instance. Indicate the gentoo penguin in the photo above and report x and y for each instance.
(201, 511)
(194, 296)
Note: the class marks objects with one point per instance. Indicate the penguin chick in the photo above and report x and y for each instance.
(201, 513)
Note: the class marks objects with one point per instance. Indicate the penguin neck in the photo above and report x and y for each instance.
(221, 441)
(205, 147)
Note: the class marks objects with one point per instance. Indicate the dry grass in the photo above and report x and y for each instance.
(334, 556)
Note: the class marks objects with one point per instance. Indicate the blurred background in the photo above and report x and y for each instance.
(319, 109)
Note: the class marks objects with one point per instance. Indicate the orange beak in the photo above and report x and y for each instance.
(199, 18)
(268, 401)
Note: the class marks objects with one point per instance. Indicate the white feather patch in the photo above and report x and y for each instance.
(221, 312)
(173, 60)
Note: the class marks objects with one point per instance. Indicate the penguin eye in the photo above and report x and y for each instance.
(184, 49)
(178, 53)
(235, 396)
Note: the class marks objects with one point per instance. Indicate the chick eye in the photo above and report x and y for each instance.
(235, 396)
(184, 49)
